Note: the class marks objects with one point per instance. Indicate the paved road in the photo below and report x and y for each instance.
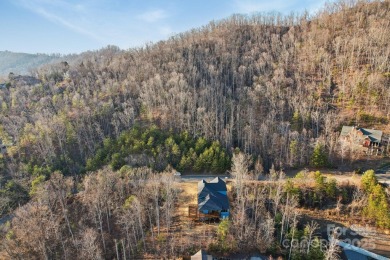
(383, 178)
(5, 218)
(200, 177)
(383, 175)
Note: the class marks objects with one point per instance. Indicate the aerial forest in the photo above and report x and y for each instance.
(91, 146)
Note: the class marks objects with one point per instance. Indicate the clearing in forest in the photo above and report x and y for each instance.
(191, 233)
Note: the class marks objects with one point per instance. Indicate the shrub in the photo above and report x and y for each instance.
(319, 157)
(368, 180)
(378, 204)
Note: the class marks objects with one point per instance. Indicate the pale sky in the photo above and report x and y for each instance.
(74, 26)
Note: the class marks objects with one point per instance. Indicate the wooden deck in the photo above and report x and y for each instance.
(196, 215)
(193, 211)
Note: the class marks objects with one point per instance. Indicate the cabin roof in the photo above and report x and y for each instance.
(201, 255)
(212, 195)
(217, 184)
(346, 130)
(372, 134)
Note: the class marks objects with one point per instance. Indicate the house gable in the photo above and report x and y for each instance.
(212, 197)
(360, 134)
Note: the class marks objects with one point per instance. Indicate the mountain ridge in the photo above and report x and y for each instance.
(263, 83)
(24, 63)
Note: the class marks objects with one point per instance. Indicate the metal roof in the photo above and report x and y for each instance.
(217, 184)
(346, 130)
(212, 201)
(372, 134)
(211, 197)
(201, 255)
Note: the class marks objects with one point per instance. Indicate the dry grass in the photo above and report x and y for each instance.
(191, 234)
(189, 190)
(343, 178)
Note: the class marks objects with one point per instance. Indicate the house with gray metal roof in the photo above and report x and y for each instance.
(364, 136)
(212, 199)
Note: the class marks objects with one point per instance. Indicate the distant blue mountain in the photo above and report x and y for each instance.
(21, 63)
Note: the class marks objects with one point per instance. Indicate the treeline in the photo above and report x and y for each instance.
(107, 215)
(314, 190)
(140, 146)
(268, 216)
(23, 62)
(135, 213)
(157, 149)
(367, 200)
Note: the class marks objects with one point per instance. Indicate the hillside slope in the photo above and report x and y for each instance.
(273, 86)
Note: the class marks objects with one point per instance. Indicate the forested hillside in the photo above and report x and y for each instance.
(276, 87)
(273, 86)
